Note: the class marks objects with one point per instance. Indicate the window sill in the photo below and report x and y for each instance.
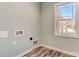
(67, 36)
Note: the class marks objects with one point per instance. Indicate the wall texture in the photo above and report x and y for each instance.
(18, 16)
(47, 31)
(26, 16)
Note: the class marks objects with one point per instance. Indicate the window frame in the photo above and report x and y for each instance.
(76, 22)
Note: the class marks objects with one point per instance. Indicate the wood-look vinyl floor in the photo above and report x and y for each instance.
(46, 52)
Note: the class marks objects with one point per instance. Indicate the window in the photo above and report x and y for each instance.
(65, 19)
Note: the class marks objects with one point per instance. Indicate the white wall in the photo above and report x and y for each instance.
(47, 34)
(26, 16)
(18, 16)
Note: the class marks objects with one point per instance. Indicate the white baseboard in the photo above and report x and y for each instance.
(27, 51)
(64, 51)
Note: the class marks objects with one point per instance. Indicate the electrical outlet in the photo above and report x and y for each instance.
(14, 42)
(3, 34)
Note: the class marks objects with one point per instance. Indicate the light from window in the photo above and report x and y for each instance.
(65, 22)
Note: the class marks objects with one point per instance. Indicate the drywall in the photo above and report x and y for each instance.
(47, 31)
(18, 16)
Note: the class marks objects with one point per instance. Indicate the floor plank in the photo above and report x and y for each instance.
(46, 52)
